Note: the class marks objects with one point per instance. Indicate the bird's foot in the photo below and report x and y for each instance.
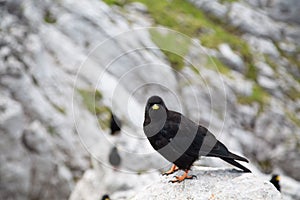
(173, 169)
(183, 177)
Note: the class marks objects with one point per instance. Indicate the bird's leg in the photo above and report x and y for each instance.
(173, 169)
(183, 177)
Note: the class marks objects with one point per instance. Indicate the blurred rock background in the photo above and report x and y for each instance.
(232, 65)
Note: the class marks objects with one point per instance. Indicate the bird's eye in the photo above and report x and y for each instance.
(155, 107)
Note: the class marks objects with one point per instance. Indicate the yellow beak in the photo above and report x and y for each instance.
(155, 107)
(278, 178)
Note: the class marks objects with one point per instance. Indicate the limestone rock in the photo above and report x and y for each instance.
(212, 7)
(267, 83)
(264, 69)
(212, 184)
(50, 142)
(253, 22)
(284, 10)
(264, 46)
(230, 58)
(11, 117)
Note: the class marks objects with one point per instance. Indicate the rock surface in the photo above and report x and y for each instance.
(254, 22)
(55, 55)
(212, 184)
(231, 59)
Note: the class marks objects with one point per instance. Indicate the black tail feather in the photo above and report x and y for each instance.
(233, 162)
(236, 157)
(227, 155)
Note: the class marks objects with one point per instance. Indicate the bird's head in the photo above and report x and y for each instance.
(105, 197)
(155, 114)
(276, 177)
(156, 108)
(155, 103)
(275, 181)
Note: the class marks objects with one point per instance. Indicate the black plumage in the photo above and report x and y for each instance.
(275, 181)
(105, 197)
(180, 140)
(114, 157)
(115, 124)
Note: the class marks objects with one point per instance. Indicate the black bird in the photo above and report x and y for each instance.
(105, 197)
(115, 124)
(114, 157)
(180, 140)
(275, 181)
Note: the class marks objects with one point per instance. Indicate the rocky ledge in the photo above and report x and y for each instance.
(212, 183)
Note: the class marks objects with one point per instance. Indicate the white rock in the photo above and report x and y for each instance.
(11, 117)
(89, 187)
(267, 83)
(253, 21)
(117, 184)
(211, 6)
(285, 10)
(212, 184)
(230, 58)
(36, 138)
(293, 33)
(264, 46)
(288, 47)
(38, 66)
(137, 6)
(265, 69)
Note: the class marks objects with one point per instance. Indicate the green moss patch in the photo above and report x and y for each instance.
(266, 165)
(59, 109)
(115, 2)
(292, 58)
(52, 130)
(228, 1)
(270, 62)
(184, 17)
(173, 44)
(293, 118)
(49, 17)
(90, 98)
(258, 95)
(216, 64)
(92, 101)
(293, 94)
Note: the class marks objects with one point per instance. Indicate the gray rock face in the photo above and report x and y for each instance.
(264, 46)
(52, 147)
(231, 59)
(212, 6)
(118, 184)
(265, 69)
(11, 117)
(253, 22)
(267, 83)
(280, 9)
(15, 164)
(212, 184)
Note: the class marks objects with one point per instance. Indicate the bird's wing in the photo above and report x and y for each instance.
(187, 137)
(220, 150)
(193, 139)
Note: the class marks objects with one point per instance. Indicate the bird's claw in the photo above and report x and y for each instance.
(193, 176)
(167, 173)
(171, 171)
(182, 178)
